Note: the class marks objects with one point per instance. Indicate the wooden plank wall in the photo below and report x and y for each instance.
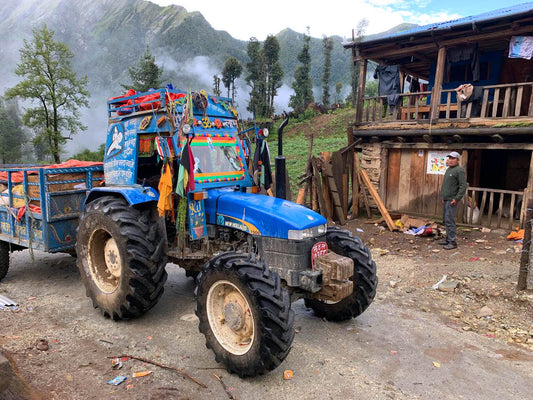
(409, 188)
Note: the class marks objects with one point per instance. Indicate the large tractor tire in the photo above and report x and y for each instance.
(4, 259)
(244, 313)
(365, 280)
(121, 257)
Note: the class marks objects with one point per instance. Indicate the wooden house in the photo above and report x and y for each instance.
(490, 123)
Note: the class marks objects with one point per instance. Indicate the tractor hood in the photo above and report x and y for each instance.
(259, 214)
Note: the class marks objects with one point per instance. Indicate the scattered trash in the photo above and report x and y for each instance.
(42, 344)
(393, 284)
(436, 285)
(474, 259)
(117, 380)
(116, 363)
(287, 374)
(359, 230)
(393, 351)
(448, 286)
(485, 230)
(436, 364)
(178, 370)
(516, 235)
(141, 374)
(149, 337)
(481, 241)
(7, 304)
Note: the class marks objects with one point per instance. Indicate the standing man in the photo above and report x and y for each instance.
(452, 191)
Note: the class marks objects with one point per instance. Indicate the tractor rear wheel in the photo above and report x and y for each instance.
(121, 257)
(244, 313)
(364, 279)
(4, 259)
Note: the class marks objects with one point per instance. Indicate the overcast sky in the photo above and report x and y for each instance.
(246, 18)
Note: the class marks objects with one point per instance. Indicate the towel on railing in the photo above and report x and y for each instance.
(521, 47)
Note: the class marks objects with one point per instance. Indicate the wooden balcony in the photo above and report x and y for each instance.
(493, 103)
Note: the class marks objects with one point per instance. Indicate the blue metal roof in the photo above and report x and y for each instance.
(488, 16)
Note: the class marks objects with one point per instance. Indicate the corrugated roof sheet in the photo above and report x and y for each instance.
(502, 12)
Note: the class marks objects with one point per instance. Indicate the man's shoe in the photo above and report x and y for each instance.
(450, 246)
(443, 242)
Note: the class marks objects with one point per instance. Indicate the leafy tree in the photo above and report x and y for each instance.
(12, 136)
(216, 85)
(232, 70)
(90, 155)
(145, 75)
(338, 88)
(273, 73)
(328, 47)
(256, 78)
(49, 81)
(302, 85)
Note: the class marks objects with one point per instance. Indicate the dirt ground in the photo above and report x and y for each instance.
(472, 338)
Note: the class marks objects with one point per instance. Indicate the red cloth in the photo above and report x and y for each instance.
(18, 176)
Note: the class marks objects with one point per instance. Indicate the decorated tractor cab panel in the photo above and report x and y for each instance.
(178, 188)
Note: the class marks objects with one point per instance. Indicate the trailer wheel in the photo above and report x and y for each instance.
(365, 279)
(121, 257)
(244, 313)
(4, 259)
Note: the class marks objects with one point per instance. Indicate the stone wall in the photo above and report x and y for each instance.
(371, 160)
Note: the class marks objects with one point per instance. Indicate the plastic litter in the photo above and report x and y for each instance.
(436, 285)
(8, 304)
(117, 380)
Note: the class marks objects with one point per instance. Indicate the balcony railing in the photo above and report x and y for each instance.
(513, 100)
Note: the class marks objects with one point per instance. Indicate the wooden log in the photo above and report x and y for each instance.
(500, 210)
(337, 205)
(377, 199)
(355, 185)
(301, 196)
(322, 209)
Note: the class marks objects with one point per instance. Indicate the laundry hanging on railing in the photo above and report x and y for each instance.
(521, 47)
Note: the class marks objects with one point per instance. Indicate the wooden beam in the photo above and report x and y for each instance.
(361, 91)
(437, 87)
(377, 199)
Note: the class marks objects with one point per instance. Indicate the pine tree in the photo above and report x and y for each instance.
(49, 81)
(302, 85)
(216, 85)
(12, 136)
(273, 74)
(255, 78)
(232, 70)
(145, 75)
(328, 47)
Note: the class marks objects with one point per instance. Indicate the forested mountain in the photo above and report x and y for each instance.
(108, 36)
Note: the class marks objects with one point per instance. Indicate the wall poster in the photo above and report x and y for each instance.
(437, 162)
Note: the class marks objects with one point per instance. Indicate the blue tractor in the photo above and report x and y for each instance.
(251, 254)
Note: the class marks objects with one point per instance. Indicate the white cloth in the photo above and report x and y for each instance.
(521, 47)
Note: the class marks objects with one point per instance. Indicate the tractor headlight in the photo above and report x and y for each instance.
(307, 233)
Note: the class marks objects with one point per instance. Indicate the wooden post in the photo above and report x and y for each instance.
(525, 274)
(437, 87)
(361, 91)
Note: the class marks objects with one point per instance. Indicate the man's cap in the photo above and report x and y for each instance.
(454, 154)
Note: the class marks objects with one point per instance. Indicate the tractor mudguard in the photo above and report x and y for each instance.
(133, 194)
(259, 214)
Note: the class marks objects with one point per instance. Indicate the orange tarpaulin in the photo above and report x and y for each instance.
(18, 176)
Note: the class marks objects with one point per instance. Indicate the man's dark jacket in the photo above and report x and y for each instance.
(454, 184)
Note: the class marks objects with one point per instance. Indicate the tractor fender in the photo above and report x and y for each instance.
(133, 194)
(258, 214)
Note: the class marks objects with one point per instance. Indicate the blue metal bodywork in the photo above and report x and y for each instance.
(258, 214)
(227, 205)
(59, 193)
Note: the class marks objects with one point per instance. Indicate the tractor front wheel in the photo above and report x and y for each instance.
(244, 313)
(121, 257)
(364, 279)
